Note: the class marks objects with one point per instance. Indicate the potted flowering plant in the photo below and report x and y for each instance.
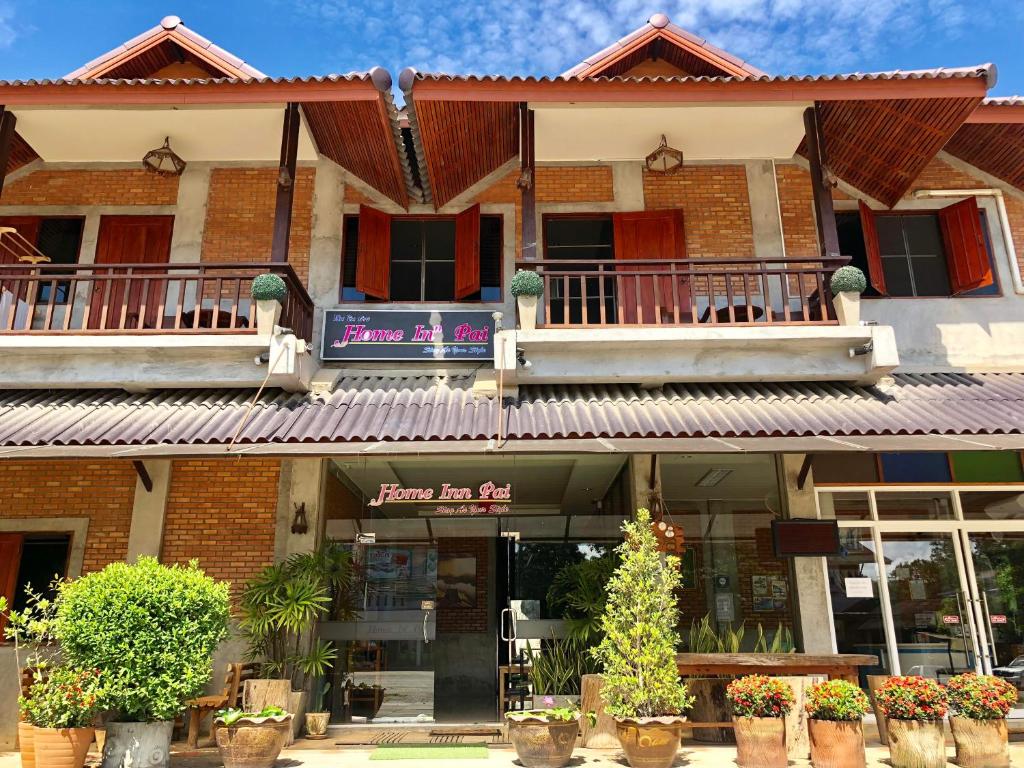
(914, 708)
(980, 704)
(835, 709)
(759, 708)
(251, 739)
(61, 708)
(544, 738)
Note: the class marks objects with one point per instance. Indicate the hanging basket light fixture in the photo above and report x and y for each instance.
(164, 161)
(665, 160)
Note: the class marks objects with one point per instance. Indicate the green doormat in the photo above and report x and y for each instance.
(430, 752)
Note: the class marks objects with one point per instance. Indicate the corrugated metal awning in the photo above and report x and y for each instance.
(368, 414)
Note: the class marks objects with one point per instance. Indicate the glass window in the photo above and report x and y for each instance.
(859, 468)
(915, 468)
(590, 238)
(993, 505)
(44, 559)
(844, 506)
(999, 568)
(987, 467)
(923, 505)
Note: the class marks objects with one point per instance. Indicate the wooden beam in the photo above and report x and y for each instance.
(528, 181)
(285, 184)
(7, 123)
(824, 215)
(143, 473)
(805, 470)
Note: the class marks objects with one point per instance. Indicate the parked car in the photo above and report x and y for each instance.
(1014, 671)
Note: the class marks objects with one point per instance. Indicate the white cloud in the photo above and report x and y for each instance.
(546, 37)
(8, 34)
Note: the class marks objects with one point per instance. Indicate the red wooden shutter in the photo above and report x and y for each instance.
(10, 562)
(373, 254)
(649, 235)
(966, 253)
(467, 252)
(876, 274)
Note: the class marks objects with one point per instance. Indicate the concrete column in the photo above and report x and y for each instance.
(190, 214)
(764, 210)
(325, 240)
(640, 479)
(811, 584)
(628, 186)
(145, 538)
(300, 484)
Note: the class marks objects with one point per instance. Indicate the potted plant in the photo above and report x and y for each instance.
(835, 709)
(269, 291)
(914, 708)
(641, 685)
(527, 286)
(61, 709)
(251, 739)
(151, 630)
(318, 719)
(544, 738)
(847, 284)
(759, 708)
(980, 704)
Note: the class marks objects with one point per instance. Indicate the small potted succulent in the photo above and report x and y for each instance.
(759, 708)
(527, 286)
(61, 709)
(640, 678)
(914, 708)
(980, 704)
(251, 739)
(835, 709)
(847, 284)
(317, 720)
(269, 291)
(544, 738)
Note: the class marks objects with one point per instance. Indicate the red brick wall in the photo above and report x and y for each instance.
(86, 187)
(101, 490)
(452, 620)
(223, 513)
(240, 217)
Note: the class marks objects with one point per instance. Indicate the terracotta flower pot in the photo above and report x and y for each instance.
(916, 743)
(27, 744)
(980, 743)
(253, 742)
(760, 742)
(836, 743)
(650, 742)
(62, 747)
(541, 743)
(316, 724)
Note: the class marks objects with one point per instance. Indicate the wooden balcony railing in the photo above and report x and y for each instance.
(142, 299)
(680, 292)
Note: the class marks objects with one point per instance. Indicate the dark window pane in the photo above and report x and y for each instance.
(589, 231)
(589, 252)
(350, 251)
(59, 239)
(490, 294)
(406, 240)
(440, 238)
(405, 281)
(440, 281)
(930, 275)
(915, 468)
(923, 235)
(845, 468)
(43, 559)
(890, 235)
(851, 243)
(490, 258)
(897, 276)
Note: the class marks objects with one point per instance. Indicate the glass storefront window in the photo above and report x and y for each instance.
(842, 505)
(917, 505)
(993, 505)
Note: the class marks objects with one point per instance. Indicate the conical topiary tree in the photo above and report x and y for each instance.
(638, 652)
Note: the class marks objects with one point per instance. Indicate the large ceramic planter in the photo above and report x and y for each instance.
(980, 743)
(27, 744)
(847, 307)
(650, 742)
(710, 705)
(527, 312)
(253, 742)
(316, 724)
(760, 742)
(366, 702)
(137, 745)
(542, 743)
(268, 313)
(836, 743)
(916, 743)
(61, 747)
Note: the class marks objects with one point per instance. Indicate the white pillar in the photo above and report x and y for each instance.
(145, 538)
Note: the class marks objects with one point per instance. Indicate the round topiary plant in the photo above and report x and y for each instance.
(269, 287)
(527, 283)
(848, 280)
(150, 629)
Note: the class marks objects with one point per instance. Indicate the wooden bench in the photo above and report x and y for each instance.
(229, 698)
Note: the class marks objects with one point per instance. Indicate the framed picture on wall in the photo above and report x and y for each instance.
(456, 581)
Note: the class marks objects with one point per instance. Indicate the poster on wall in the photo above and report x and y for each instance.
(456, 581)
(725, 607)
(388, 563)
(761, 589)
(780, 591)
(407, 335)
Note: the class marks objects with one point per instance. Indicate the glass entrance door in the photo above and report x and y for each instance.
(998, 565)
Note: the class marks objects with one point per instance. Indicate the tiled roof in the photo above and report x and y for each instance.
(424, 408)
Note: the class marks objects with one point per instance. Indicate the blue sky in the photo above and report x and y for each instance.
(48, 38)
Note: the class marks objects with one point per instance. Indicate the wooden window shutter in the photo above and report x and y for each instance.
(10, 562)
(373, 254)
(876, 273)
(966, 252)
(467, 252)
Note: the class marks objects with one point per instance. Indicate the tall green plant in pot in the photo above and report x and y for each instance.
(151, 630)
(641, 685)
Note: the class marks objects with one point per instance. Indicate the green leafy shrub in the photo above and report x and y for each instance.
(848, 280)
(66, 698)
(704, 638)
(579, 592)
(981, 697)
(150, 629)
(836, 700)
(269, 287)
(229, 717)
(638, 650)
(760, 696)
(526, 282)
(912, 698)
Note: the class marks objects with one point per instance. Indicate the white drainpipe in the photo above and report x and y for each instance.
(1004, 223)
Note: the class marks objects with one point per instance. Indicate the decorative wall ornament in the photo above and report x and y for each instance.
(164, 160)
(665, 160)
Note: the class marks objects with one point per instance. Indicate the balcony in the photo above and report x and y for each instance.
(652, 321)
(143, 326)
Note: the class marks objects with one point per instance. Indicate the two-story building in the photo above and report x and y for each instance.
(684, 212)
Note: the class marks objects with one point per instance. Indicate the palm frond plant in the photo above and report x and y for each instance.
(579, 592)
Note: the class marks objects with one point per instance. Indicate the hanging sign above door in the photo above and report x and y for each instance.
(407, 335)
(487, 499)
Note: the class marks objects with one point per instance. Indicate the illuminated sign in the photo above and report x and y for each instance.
(487, 499)
(396, 335)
